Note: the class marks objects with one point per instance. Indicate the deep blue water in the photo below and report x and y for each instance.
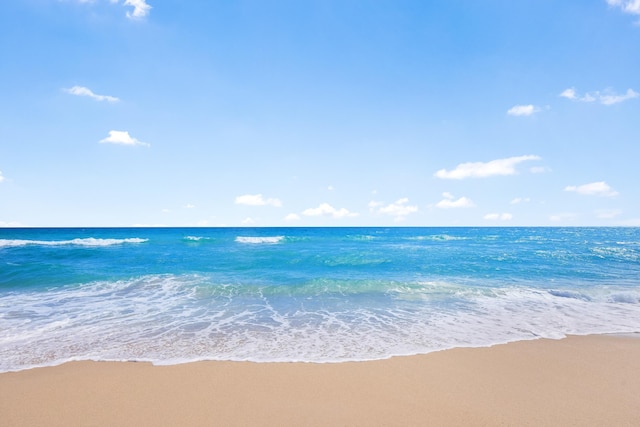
(172, 295)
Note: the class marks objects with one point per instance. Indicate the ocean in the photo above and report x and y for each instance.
(175, 295)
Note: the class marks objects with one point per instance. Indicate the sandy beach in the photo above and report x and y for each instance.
(577, 381)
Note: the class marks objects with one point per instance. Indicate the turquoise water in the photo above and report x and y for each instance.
(172, 295)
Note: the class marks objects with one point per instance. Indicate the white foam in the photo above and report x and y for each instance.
(259, 240)
(89, 241)
(168, 319)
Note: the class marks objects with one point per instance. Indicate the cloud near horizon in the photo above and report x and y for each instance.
(84, 91)
(257, 200)
(325, 209)
(607, 97)
(484, 170)
(523, 110)
(600, 188)
(506, 216)
(398, 209)
(122, 138)
(2, 178)
(450, 202)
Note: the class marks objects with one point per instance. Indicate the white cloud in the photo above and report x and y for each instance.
(594, 189)
(518, 200)
(83, 91)
(627, 6)
(122, 138)
(140, 8)
(606, 97)
(450, 202)
(608, 213)
(292, 217)
(257, 200)
(2, 178)
(10, 224)
(399, 209)
(189, 206)
(499, 216)
(483, 170)
(610, 99)
(539, 169)
(330, 188)
(563, 217)
(325, 209)
(569, 93)
(522, 110)
(248, 221)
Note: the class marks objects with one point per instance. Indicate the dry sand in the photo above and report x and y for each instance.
(578, 381)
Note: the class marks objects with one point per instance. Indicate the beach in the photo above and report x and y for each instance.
(576, 381)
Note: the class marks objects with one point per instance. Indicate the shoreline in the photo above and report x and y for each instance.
(578, 380)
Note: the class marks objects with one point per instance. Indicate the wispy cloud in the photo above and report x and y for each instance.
(2, 178)
(600, 188)
(140, 8)
(398, 209)
(248, 221)
(84, 91)
(498, 216)
(519, 200)
(292, 217)
(325, 209)
(523, 110)
(606, 97)
(627, 6)
(10, 224)
(451, 202)
(483, 170)
(122, 138)
(562, 217)
(257, 200)
(608, 213)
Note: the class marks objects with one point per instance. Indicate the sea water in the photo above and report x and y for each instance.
(173, 295)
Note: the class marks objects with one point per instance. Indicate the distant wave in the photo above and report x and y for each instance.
(260, 240)
(195, 238)
(437, 238)
(89, 241)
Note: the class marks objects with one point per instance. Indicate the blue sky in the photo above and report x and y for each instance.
(319, 113)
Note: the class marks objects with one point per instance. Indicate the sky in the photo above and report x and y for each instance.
(319, 113)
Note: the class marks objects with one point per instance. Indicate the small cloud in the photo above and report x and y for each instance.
(247, 221)
(257, 200)
(523, 110)
(608, 213)
(83, 91)
(569, 93)
(450, 202)
(483, 170)
(399, 209)
(594, 189)
(606, 97)
(499, 216)
(330, 188)
(561, 217)
(519, 200)
(122, 138)
(166, 210)
(610, 99)
(140, 8)
(10, 224)
(627, 6)
(539, 169)
(2, 178)
(325, 209)
(292, 217)
(189, 206)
